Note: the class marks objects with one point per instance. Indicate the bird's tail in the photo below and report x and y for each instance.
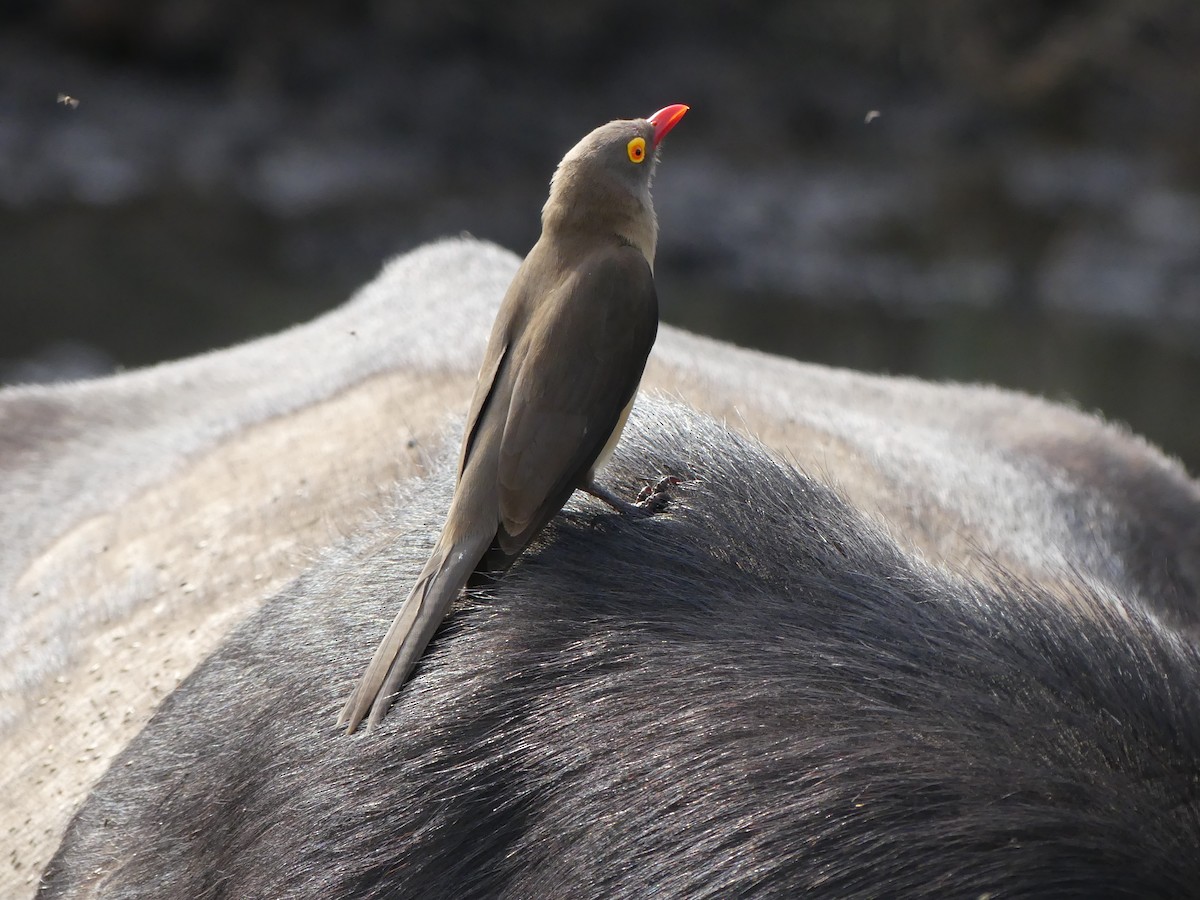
(445, 574)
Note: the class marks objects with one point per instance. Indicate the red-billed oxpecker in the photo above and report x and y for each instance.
(558, 379)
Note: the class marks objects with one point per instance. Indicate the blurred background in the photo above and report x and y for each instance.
(983, 190)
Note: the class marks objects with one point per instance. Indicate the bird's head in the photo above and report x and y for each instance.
(604, 181)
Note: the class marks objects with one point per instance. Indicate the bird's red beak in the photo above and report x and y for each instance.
(664, 120)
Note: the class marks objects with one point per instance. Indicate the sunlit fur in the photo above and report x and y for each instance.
(756, 693)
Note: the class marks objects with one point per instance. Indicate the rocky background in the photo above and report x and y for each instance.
(998, 190)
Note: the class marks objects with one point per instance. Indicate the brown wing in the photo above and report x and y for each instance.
(494, 359)
(581, 357)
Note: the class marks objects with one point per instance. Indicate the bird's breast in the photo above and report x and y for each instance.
(611, 444)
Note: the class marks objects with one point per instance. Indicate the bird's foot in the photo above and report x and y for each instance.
(653, 497)
(650, 499)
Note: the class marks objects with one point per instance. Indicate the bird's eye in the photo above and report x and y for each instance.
(636, 149)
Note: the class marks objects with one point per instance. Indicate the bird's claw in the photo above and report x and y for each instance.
(653, 497)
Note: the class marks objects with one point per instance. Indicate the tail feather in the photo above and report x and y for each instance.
(444, 576)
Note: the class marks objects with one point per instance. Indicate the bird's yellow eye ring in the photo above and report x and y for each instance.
(636, 149)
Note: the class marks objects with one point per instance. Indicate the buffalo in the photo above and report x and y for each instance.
(886, 637)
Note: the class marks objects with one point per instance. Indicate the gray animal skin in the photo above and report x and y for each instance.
(921, 638)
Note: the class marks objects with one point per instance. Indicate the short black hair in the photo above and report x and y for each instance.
(753, 693)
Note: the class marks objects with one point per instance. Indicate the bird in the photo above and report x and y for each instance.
(559, 376)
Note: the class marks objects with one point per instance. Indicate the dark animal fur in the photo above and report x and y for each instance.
(753, 693)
